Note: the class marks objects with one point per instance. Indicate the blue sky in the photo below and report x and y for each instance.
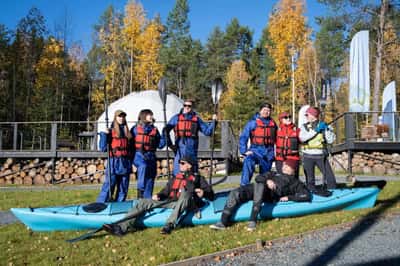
(204, 15)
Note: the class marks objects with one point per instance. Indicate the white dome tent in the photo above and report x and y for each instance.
(132, 103)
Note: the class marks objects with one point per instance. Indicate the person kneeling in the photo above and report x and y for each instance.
(183, 192)
(270, 187)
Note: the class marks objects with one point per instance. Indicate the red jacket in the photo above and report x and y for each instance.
(287, 142)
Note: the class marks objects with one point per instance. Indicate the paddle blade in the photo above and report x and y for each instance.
(216, 90)
(162, 90)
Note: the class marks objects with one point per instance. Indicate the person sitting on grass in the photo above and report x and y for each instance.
(269, 187)
(183, 192)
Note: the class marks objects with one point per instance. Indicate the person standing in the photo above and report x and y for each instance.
(186, 125)
(146, 141)
(182, 193)
(261, 130)
(118, 139)
(314, 135)
(287, 143)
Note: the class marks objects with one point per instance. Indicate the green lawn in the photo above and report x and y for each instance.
(148, 247)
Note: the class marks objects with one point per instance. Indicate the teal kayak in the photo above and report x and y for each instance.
(75, 217)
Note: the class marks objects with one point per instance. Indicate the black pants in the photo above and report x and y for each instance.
(235, 198)
(279, 164)
(257, 192)
(321, 161)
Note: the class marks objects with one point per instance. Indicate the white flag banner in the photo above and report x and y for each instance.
(389, 105)
(302, 115)
(359, 91)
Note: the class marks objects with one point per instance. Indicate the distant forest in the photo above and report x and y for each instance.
(43, 79)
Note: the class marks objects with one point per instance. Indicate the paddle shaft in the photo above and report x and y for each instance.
(108, 142)
(212, 145)
(134, 215)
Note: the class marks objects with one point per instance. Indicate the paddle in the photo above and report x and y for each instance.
(134, 215)
(162, 91)
(216, 91)
(108, 143)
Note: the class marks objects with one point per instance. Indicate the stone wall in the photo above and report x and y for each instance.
(375, 163)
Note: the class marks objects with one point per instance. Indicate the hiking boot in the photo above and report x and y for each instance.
(113, 229)
(218, 226)
(251, 226)
(167, 229)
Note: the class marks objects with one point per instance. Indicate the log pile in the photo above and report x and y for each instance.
(375, 163)
(78, 171)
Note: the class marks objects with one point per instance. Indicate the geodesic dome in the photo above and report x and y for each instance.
(132, 103)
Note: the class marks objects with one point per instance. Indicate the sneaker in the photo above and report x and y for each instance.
(218, 226)
(167, 229)
(113, 229)
(251, 226)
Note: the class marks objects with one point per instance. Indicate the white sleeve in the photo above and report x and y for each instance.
(306, 135)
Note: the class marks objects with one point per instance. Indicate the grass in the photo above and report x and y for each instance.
(148, 247)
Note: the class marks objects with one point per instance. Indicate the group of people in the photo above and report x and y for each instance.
(138, 146)
(184, 191)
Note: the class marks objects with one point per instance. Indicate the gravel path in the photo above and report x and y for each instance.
(369, 242)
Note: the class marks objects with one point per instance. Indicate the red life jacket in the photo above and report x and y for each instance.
(119, 145)
(179, 183)
(264, 134)
(143, 141)
(287, 143)
(186, 127)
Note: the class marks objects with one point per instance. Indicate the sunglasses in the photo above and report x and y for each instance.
(122, 115)
(182, 163)
(187, 105)
(287, 117)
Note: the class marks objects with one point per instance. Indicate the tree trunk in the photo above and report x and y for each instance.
(131, 77)
(378, 64)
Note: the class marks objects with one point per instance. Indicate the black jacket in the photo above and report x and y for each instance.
(199, 182)
(286, 186)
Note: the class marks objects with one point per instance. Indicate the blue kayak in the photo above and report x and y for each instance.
(76, 218)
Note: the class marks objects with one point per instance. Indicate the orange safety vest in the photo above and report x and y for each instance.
(119, 145)
(143, 141)
(287, 143)
(264, 134)
(179, 183)
(186, 127)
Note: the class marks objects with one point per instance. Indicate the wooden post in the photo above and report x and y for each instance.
(15, 136)
(53, 148)
(95, 128)
(350, 135)
(53, 137)
(226, 144)
(349, 124)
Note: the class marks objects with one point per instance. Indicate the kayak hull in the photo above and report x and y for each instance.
(76, 218)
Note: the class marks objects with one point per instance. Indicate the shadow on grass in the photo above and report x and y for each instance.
(358, 229)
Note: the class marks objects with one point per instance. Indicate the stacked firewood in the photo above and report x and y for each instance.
(78, 171)
(375, 163)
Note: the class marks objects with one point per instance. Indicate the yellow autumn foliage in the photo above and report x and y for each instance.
(288, 32)
(236, 73)
(391, 58)
(147, 68)
(50, 65)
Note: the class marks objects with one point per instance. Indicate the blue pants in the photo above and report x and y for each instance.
(249, 165)
(146, 173)
(119, 181)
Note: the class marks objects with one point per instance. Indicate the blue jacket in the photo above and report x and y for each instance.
(258, 150)
(159, 141)
(190, 144)
(119, 165)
